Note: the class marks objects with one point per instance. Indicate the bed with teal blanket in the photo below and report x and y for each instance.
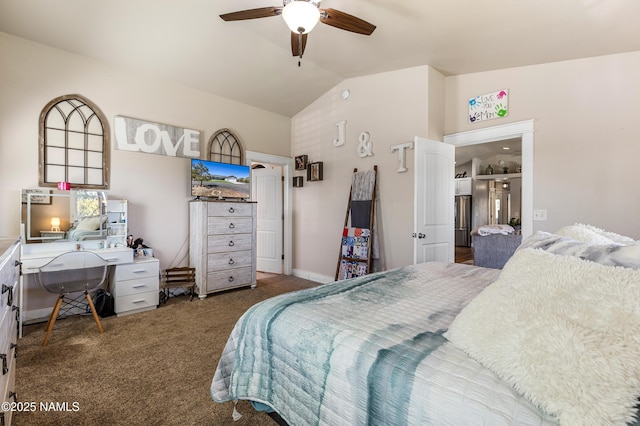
(379, 350)
(367, 351)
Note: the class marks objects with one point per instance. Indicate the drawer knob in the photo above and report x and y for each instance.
(230, 279)
(231, 243)
(231, 262)
(231, 226)
(231, 210)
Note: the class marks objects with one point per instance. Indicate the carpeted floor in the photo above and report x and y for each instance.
(152, 368)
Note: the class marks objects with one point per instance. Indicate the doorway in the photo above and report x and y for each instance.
(286, 165)
(522, 130)
(266, 189)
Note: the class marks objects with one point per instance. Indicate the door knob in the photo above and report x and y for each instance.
(421, 235)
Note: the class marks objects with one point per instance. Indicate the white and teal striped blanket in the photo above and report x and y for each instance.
(369, 351)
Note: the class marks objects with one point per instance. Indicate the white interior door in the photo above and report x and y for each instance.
(434, 200)
(267, 184)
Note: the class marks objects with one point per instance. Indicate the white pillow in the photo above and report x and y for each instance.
(584, 234)
(89, 224)
(563, 332)
(593, 235)
(621, 239)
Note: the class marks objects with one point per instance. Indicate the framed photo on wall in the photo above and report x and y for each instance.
(314, 171)
(298, 182)
(301, 162)
(38, 196)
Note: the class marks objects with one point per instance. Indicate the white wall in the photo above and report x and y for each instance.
(586, 147)
(393, 108)
(157, 187)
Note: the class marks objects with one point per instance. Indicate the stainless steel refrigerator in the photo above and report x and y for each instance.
(462, 222)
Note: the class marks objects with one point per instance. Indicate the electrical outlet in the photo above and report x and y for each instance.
(540, 215)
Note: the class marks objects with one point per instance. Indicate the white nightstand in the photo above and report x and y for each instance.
(52, 235)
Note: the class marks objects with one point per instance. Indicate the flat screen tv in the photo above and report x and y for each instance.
(220, 180)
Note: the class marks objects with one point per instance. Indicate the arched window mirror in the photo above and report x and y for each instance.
(74, 144)
(225, 147)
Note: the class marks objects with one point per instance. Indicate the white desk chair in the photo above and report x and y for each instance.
(72, 272)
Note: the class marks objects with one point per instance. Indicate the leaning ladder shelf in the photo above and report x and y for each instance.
(354, 258)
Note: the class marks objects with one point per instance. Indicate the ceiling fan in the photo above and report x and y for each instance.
(301, 16)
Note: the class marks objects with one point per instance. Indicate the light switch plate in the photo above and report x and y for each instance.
(539, 215)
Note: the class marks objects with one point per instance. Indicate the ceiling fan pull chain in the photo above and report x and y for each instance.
(300, 47)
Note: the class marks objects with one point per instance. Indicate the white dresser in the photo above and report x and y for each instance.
(222, 244)
(136, 286)
(9, 279)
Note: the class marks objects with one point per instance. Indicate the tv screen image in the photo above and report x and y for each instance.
(220, 180)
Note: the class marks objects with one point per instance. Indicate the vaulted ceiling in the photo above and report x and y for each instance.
(250, 61)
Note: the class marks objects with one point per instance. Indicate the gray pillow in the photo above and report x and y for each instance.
(613, 254)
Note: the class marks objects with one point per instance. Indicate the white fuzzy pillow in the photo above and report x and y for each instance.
(592, 235)
(564, 332)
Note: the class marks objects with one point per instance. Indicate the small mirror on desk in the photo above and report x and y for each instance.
(50, 215)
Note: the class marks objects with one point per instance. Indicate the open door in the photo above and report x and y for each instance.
(434, 201)
(267, 184)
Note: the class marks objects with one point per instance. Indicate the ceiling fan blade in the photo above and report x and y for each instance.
(261, 12)
(344, 21)
(295, 43)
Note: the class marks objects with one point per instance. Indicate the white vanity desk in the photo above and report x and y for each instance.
(134, 283)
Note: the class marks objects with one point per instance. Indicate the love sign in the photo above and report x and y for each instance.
(153, 138)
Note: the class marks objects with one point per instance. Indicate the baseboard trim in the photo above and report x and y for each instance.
(312, 276)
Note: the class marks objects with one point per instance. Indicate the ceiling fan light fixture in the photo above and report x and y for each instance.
(301, 16)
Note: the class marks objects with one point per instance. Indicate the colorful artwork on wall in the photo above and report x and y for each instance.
(489, 106)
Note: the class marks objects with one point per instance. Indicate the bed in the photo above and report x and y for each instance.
(88, 228)
(450, 344)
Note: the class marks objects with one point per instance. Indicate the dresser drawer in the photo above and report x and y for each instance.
(229, 209)
(8, 386)
(137, 301)
(231, 260)
(226, 243)
(135, 286)
(229, 225)
(137, 270)
(8, 342)
(228, 279)
(116, 256)
(9, 286)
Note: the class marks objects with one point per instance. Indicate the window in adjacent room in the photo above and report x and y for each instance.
(74, 143)
(225, 147)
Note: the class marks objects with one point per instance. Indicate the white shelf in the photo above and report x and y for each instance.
(499, 176)
(117, 222)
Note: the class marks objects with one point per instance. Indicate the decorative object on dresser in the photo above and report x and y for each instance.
(9, 277)
(222, 244)
(69, 273)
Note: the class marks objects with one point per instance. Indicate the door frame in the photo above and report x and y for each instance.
(520, 129)
(287, 208)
